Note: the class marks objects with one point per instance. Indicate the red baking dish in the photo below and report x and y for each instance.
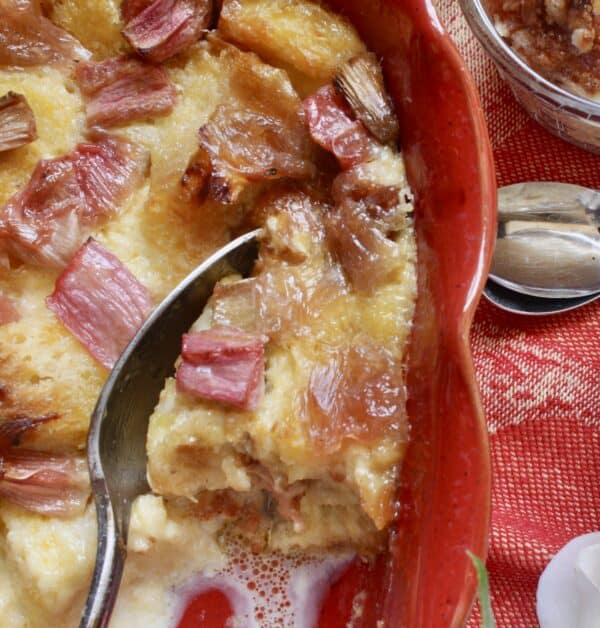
(426, 579)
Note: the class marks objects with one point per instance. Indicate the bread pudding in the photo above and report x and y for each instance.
(135, 139)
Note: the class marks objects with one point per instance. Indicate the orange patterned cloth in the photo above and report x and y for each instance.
(539, 377)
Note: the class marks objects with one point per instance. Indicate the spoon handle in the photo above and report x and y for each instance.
(110, 561)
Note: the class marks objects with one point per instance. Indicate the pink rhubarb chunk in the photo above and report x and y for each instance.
(160, 29)
(39, 481)
(223, 364)
(47, 221)
(100, 302)
(124, 89)
(332, 126)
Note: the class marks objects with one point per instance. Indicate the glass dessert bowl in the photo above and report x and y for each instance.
(568, 112)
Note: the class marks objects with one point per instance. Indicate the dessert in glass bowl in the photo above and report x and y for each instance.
(560, 39)
(286, 424)
(548, 53)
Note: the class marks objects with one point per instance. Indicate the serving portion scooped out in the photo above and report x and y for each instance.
(559, 39)
(285, 424)
(309, 455)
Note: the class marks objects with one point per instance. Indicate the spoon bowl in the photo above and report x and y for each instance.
(518, 303)
(548, 240)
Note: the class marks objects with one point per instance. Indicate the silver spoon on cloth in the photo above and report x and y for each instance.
(547, 255)
(116, 447)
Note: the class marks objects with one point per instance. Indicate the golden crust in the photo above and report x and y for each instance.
(301, 37)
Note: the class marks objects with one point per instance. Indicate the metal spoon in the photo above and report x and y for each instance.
(117, 437)
(518, 303)
(547, 255)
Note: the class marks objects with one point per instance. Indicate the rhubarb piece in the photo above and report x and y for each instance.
(358, 395)
(131, 8)
(381, 187)
(100, 302)
(287, 496)
(235, 304)
(360, 81)
(372, 203)
(124, 89)
(249, 145)
(46, 222)
(49, 484)
(223, 364)
(27, 39)
(17, 123)
(331, 126)
(108, 169)
(260, 135)
(159, 30)
(369, 258)
(8, 311)
(277, 302)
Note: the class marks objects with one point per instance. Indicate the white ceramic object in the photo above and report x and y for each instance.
(568, 594)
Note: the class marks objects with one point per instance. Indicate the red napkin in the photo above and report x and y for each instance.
(539, 377)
